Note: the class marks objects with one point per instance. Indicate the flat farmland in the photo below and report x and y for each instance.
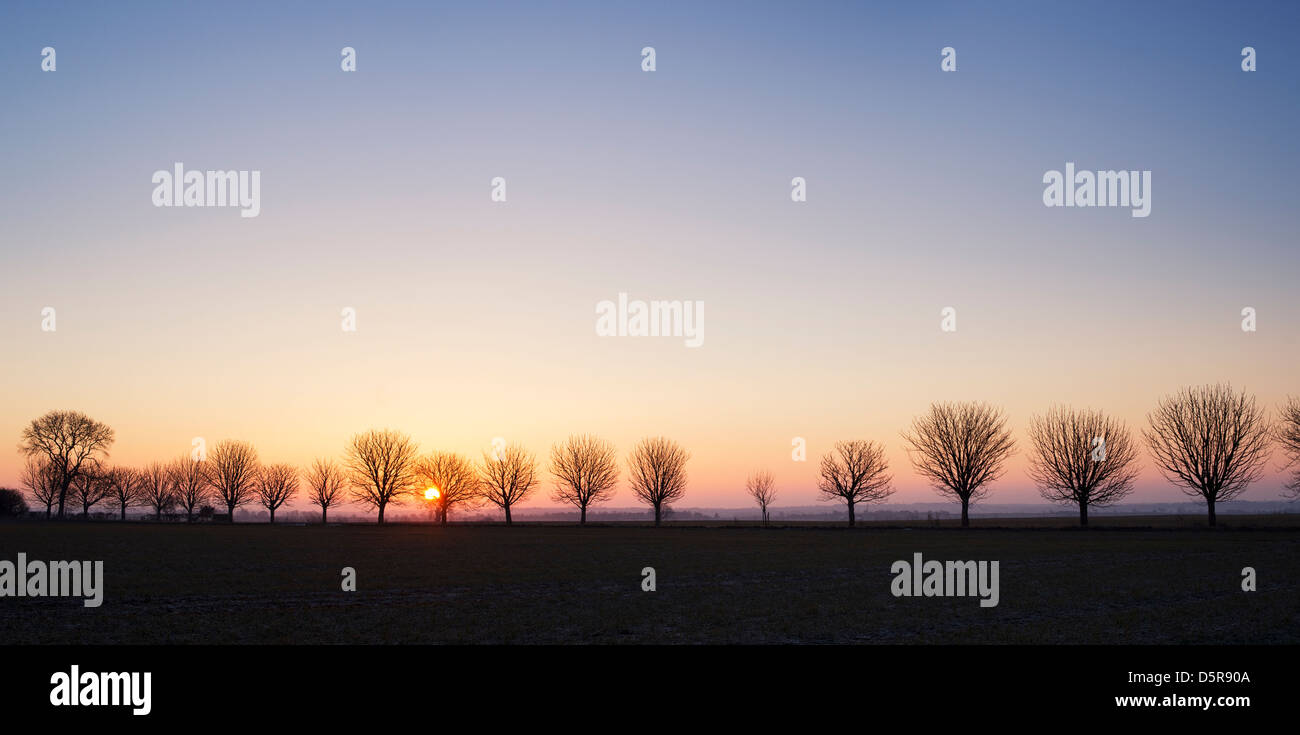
(1152, 580)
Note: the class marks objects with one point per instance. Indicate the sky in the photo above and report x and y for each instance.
(475, 319)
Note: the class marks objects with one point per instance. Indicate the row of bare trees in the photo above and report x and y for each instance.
(379, 468)
(385, 467)
(1211, 441)
(185, 483)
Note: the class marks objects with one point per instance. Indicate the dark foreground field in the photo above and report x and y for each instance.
(564, 584)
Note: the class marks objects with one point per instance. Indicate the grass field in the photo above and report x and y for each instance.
(1152, 580)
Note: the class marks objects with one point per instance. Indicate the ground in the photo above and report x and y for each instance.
(1145, 580)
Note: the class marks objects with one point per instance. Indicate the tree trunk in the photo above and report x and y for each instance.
(582, 520)
(323, 510)
(189, 514)
(230, 510)
(507, 514)
(657, 514)
(443, 515)
(47, 512)
(965, 513)
(1210, 501)
(853, 518)
(1083, 513)
(272, 515)
(381, 514)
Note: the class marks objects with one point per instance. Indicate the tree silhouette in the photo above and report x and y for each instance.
(90, 487)
(657, 473)
(232, 471)
(326, 483)
(381, 468)
(1081, 457)
(190, 479)
(67, 440)
(1210, 440)
(12, 503)
(855, 472)
(586, 472)
(1288, 435)
(156, 488)
(762, 488)
(276, 485)
(455, 477)
(960, 448)
(41, 480)
(124, 484)
(508, 478)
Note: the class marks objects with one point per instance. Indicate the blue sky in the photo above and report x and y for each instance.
(924, 190)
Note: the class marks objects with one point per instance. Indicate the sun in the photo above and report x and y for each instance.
(431, 494)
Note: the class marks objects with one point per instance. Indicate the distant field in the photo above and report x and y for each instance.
(1153, 579)
(1272, 520)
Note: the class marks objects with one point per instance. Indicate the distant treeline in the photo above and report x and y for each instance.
(1211, 441)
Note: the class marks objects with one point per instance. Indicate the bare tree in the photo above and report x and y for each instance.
(125, 488)
(190, 478)
(586, 472)
(657, 473)
(232, 473)
(325, 485)
(960, 448)
(1210, 440)
(856, 472)
(156, 489)
(1288, 435)
(41, 480)
(452, 477)
(762, 488)
(277, 484)
(508, 478)
(1081, 457)
(381, 468)
(89, 487)
(67, 440)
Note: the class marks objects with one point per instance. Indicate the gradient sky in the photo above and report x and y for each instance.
(476, 320)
